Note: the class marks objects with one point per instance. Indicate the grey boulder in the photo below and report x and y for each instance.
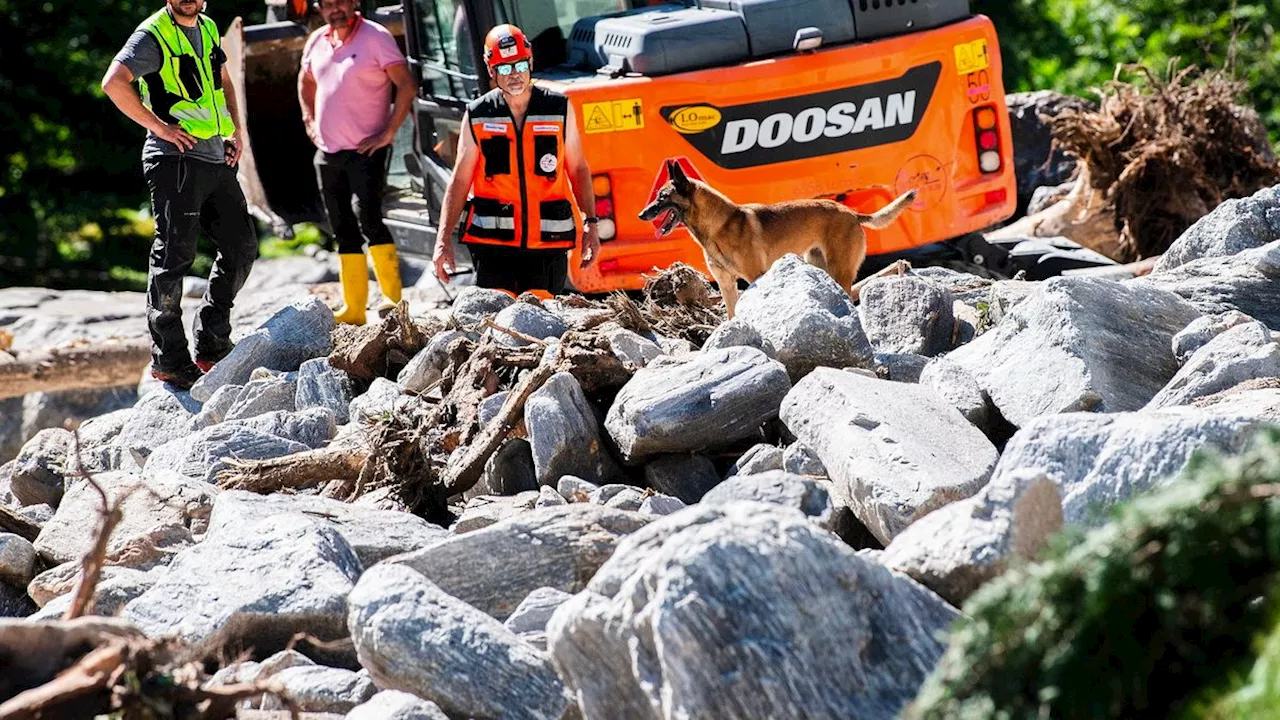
(207, 453)
(528, 319)
(1099, 460)
(776, 487)
(473, 304)
(760, 458)
(259, 583)
(687, 477)
(908, 315)
(787, 622)
(382, 398)
(1241, 353)
(564, 434)
(258, 397)
(38, 472)
(1248, 282)
(633, 348)
(1237, 224)
(1203, 329)
(955, 549)
(397, 705)
(1078, 344)
(160, 516)
(320, 689)
(496, 567)
(159, 417)
(373, 534)
(957, 386)
(805, 317)
(895, 452)
(17, 560)
(463, 660)
(424, 369)
(696, 402)
(322, 385)
(735, 332)
(529, 621)
(293, 335)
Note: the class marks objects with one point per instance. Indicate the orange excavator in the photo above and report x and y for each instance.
(766, 100)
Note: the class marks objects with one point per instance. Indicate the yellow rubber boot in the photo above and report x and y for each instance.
(355, 288)
(386, 266)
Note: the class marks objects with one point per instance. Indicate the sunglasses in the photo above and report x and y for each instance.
(520, 66)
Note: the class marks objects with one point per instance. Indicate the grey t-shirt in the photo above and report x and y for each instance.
(142, 55)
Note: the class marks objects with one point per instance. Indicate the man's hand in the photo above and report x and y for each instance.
(176, 135)
(590, 244)
(443, 257)
(309, 124)
(369, 146)
(235, 148)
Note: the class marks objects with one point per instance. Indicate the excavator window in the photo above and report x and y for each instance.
(547, 23)
(448, 65)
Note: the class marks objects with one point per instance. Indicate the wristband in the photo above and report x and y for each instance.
(589, 220)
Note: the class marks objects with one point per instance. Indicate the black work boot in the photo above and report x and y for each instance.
(181, 378)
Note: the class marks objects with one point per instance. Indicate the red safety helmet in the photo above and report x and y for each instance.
(506, 44)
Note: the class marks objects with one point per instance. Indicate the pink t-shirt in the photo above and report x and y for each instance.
(353, 92)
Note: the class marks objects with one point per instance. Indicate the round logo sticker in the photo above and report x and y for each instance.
(547, 163)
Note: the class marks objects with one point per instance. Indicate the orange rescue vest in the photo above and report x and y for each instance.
(520, 194)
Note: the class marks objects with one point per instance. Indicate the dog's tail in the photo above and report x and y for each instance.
(886, 215)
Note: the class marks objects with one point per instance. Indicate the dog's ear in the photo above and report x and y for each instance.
(678, 177)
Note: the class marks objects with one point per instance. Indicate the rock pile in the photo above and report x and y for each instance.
(618, 509)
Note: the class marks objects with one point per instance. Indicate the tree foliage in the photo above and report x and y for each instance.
(1137, 618)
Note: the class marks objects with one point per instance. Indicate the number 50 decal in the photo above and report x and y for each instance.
(979, 83)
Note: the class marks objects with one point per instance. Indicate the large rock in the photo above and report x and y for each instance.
(485, 510)
(271, 394)
(160, 516)
(528, 319)
(696, 402)
(760, 458)
(1037, 160)
(215, 411)
(956, 549)
(115, 590)
(1235, 225)
(38, 474)
(735, 332)
(1079, 344)
(496, 567)
(373, 534)
(1242, 353)
(424, 369)
(1257, 399)
(256, 584)
(745, 611)
(896, 452)
(1200, 331)
(509, 472)
(397, 705)
(805, 317)
(957, 386)
(776, 487)
(633, 348)
(907, 315)
(687, 477)
(382, 398)
(529, 621)
(322, 385)
(207, 453)
(474, 304)
(564, 434)
(320, 689)
(292, 336)
(412, 636)
(17, 560)
(159, 417)
(1099, 460)
(1248, 281)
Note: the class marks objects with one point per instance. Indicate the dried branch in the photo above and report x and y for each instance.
(489, 323)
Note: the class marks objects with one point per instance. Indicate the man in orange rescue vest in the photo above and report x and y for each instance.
(520, 157)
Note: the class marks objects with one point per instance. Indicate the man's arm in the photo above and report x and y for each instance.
(406, 90)
(233, 106)
(580, 180)
(118, 85)
(455, 196)
(307, 99)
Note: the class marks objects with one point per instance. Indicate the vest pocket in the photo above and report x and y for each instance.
(189, 76)
(557, 221)
(497, 155)
(546, 153)
(492, 220)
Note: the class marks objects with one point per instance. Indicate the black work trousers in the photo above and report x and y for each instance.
(518, 270)
(351, 188)
(188, 196)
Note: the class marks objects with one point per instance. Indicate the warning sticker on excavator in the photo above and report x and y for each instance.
(613, 116)
(972, 56)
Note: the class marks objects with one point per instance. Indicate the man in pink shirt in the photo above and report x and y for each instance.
(348, 69)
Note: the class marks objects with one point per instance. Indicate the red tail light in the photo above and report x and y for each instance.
(602, 186)
(986, 131)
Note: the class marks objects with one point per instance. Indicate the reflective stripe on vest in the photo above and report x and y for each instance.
(521, 196)
(187, 89)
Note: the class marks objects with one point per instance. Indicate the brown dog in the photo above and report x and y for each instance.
(743, 241)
